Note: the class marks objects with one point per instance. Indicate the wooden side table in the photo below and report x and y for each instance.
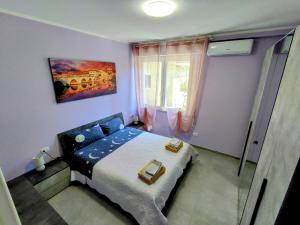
(31, 191)
(52, 180)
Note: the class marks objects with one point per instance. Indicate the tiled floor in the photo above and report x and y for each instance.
(207, 196)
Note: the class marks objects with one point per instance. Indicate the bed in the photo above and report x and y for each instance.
(110, 166)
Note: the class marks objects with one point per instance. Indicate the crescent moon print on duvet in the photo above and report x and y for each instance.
(87, 157)
(92, 157)
(116, 143)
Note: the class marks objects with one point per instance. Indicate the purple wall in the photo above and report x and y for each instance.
(29, 115)
(228, 94)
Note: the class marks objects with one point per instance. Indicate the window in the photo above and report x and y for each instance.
(147, 80)
(152, 74)
(166, 84)
(168, 75)
(177, 79)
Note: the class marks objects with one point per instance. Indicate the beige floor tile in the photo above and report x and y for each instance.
(179, 217)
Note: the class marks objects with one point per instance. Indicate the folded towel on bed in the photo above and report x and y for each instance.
(174, 145)
(153, 168)
(151, 172)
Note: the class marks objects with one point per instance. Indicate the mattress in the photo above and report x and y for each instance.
(116, 176)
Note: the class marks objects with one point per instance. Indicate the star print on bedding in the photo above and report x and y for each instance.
(88, 156)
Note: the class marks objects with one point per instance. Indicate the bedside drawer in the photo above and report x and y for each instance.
(54, 190)
(54, 184)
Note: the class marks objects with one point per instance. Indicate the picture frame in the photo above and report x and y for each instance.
(80, 79)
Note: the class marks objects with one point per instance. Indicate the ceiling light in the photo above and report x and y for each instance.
(159, 8)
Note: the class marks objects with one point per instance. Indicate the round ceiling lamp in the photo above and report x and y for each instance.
(159, 8)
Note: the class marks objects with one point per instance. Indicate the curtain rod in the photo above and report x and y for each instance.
(214, 36)
(170, 41)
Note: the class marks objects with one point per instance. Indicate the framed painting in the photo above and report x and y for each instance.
(79, 79)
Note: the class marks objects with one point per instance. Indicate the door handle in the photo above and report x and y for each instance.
(259, 200)
(245, 147)
(255, 142)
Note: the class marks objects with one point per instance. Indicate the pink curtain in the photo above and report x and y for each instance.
(175, 119)
(182, 119)
(142, 54)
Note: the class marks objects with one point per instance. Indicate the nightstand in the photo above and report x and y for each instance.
(31, 191)
(52, 180)
(139, 125)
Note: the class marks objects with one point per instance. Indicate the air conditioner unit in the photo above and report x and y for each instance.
(238, 47)
(286, 44)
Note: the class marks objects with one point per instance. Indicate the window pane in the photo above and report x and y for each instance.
(147, 80)
(177, 79)
(152, 83)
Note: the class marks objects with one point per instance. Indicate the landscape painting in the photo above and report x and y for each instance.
(79, 79)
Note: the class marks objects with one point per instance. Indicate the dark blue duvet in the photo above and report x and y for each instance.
(84, 159)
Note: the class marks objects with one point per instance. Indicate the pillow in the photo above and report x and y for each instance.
(112, 126)
(80, 138)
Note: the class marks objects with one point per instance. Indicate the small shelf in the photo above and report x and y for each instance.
(139, 125)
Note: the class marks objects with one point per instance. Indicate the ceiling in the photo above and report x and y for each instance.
(124, 20)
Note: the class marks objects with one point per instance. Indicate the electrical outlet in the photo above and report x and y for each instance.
(45, 149)
(195, 134)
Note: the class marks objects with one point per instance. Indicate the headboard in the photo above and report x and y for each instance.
(67, 153)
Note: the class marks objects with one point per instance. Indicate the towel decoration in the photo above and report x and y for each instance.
(174, 145)
(151, 172)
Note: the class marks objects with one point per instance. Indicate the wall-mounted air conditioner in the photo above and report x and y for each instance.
(286, 44)
(237, 47)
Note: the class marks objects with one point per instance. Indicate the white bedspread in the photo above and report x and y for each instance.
(116, 177)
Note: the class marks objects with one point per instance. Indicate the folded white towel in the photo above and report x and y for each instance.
(153, 168)
(174, 142)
